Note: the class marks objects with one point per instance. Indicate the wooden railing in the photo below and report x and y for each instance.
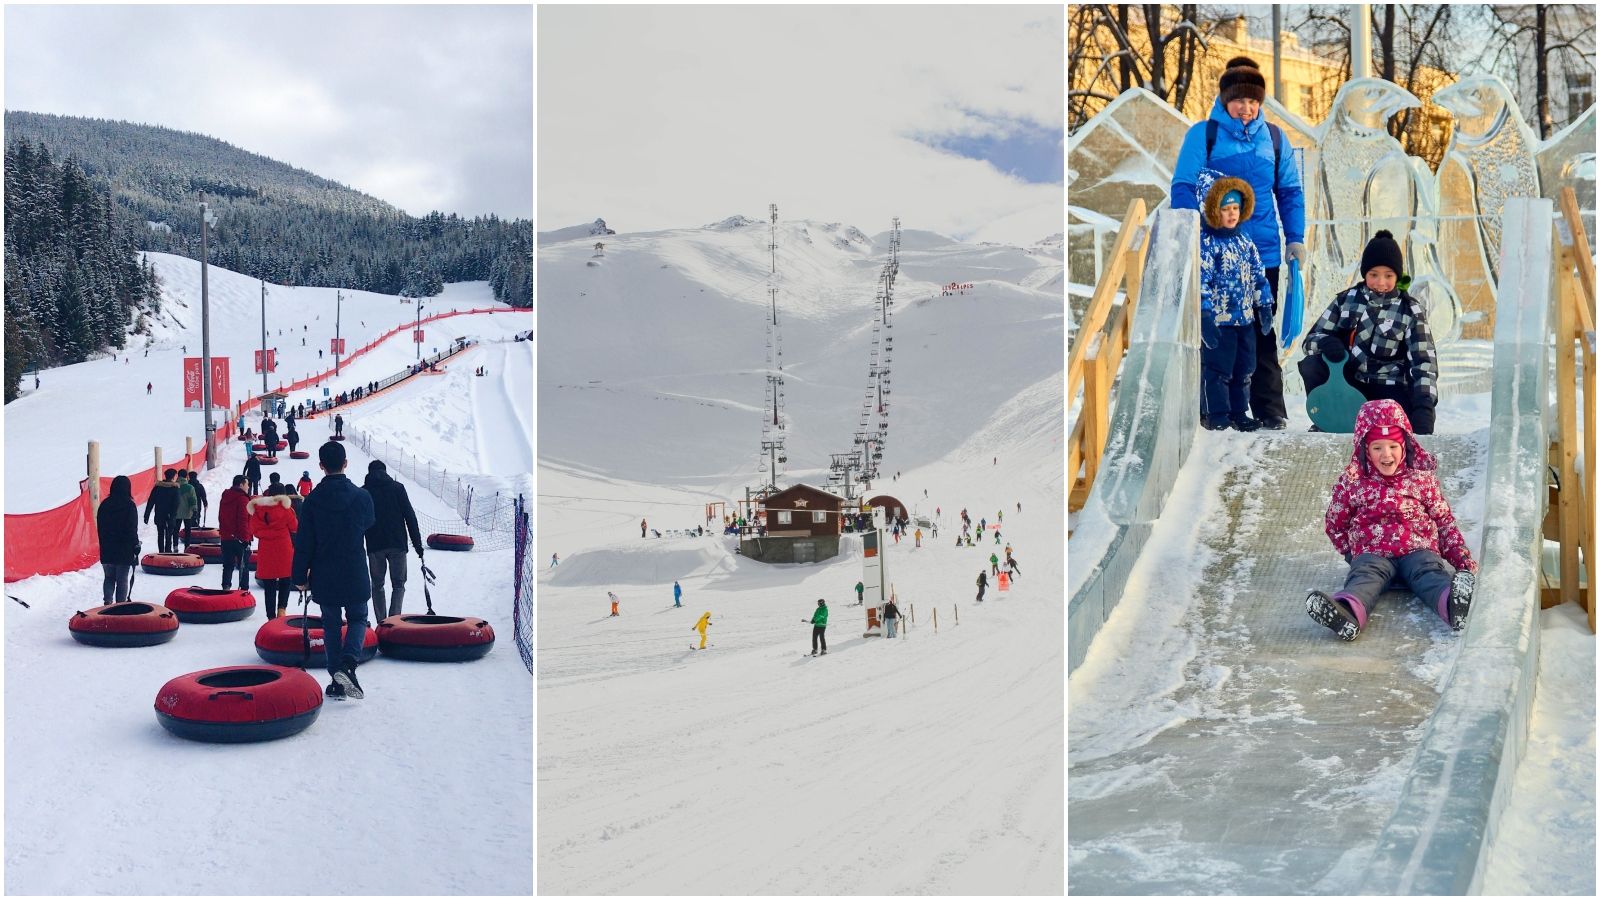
(1571, 523)
(1097, 350)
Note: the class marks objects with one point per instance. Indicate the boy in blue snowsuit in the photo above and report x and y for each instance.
(1234, 296)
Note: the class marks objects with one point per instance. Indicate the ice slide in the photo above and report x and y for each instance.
(1221, 742)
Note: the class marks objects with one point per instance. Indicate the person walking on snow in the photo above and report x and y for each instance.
(983, 582)
(163, 502)
(1390, 521)
(148, 387)
(644, 528)
(269, 434)
(338, 425)
(274, 522)
(677, 595)
(117, 527)
(304, 485)
(554, 560)
(891, 616)
(819, 628)
(1011, 566)
(330, 561)
(233, 524)
(860, 593)
(393, 521)
(918, 535)
(994, 564)
(292, 436)
(188, 503)
(701, 626)
(614, 602)
(252, 473)
(200, 499)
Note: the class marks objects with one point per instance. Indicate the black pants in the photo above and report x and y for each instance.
(980, 592)
(235, 554)
(819, 634)
(1266, 385)
(166, 534)
(276, 595)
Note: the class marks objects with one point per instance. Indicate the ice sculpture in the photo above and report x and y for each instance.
(1126, 150)
(1363, 170)
(1489, 158)
(1567, 160)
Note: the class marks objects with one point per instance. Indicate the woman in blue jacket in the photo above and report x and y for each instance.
(1237, 141)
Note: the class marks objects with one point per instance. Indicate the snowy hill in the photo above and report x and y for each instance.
(438, 756)
(597, 228)
(41, 474)
(931, 764)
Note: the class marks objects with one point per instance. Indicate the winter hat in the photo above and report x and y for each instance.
(1242, 79)
(1386, 433)
(1212, 187)
(1232, 198)
(1382, 250)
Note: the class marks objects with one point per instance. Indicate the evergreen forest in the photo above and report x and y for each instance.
(83, 195)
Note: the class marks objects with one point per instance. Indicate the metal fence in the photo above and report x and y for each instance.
(522, 610)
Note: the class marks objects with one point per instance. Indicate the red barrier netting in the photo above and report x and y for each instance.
(64, 539)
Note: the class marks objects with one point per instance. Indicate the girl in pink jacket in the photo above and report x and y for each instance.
(1390, 521)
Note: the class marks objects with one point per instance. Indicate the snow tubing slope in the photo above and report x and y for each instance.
(430, 638)
(652, 562)
(206, 606)
(172, 564)
(455, 542)
(239, 704)
(282, 642)
(124, 625)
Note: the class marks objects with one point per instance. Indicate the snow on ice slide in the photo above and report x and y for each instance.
(1221, 742)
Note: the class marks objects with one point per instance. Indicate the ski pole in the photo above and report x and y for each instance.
(305, 630)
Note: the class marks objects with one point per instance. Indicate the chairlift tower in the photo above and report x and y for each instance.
(872, 429)
(773, 427)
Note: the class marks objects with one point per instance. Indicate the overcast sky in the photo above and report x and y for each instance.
(425, 107)
(663, 117)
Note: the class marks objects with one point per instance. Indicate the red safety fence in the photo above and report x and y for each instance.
(64, 539)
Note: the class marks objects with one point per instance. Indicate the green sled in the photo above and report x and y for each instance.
(1333, 406)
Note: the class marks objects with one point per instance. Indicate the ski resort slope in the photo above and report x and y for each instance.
(104, 400)
(930, 764)
(652, 355)
(423, 787)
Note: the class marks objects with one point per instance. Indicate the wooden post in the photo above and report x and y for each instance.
(94, 477)
(188, 448)
(936, 620)
(1567, 424)
(957, 611)
(158, 463)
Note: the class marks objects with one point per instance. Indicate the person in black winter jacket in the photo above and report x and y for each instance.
(164, 503)
(201, 504)
(269, 434)
(252, 474)
(117, 525)
(292, 436)
(394, 520)
(330, 561)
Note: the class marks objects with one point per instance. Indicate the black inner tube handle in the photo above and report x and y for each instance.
(245, 694)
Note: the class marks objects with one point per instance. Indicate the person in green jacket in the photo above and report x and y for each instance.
(188, 503)
(994, 564)
(861, 593)
(819, 628)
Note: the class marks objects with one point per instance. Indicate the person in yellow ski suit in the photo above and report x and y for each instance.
(701, 626)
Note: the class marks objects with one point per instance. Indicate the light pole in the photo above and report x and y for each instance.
(263, 335)
(417, 328)
(338, 310)
(206, 218)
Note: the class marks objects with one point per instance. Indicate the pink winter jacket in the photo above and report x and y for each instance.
(1392, 515)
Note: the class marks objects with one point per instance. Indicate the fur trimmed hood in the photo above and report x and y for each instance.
(1212, 186)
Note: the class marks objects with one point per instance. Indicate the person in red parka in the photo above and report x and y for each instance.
(273, 520)
(1389, 519)
(233, 524)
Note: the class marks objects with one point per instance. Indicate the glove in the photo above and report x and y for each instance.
(1422, 419)
(1264, 316)
(1297, 251)
(1332, 348)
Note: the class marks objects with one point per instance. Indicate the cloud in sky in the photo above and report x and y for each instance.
(662, 117)
(425, 107)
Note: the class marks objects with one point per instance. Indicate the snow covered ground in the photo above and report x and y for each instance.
(932, 764)
(43, 472)
(423, 787)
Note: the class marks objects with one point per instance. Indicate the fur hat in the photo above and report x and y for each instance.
(1242, 79)
(1382, 250)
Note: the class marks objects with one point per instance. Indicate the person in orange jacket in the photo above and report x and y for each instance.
(701, 626)
(614, 602)
(305, 484)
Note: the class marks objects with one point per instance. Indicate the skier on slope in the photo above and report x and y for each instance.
(860, 593)
(1389, 519)
(1011, 566)
(819, 628)
(983, 582)
(994, 564)
(677, 595)
(614, 602)
(701, 626)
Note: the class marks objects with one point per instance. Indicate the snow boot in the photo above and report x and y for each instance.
(1455, 602)
(1244, 423)
(335, 691)
(346, 678)
(1335, 613)
(1214, 424)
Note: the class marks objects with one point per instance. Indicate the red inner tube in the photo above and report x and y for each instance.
(203, 600)
(450, 540)
(124, 618)
(206, 552)
(204, 535)
(436, 631)
(283, 635)
(171, 560)
(300, 454)
(242, 694)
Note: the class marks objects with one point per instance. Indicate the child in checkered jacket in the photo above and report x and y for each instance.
(1385, 332)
